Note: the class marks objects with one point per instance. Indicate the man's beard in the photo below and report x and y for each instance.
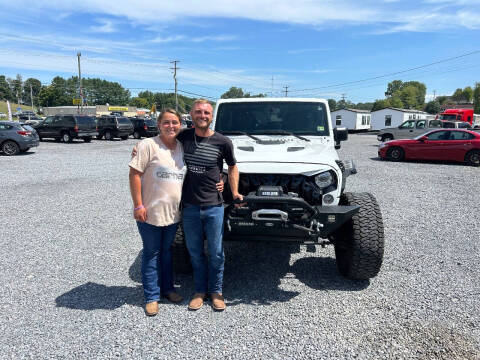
(202, 127)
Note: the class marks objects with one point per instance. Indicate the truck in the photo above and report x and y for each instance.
(460, 115)
(294, 183)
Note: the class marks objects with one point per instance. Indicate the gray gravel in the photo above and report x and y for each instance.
(71, 278)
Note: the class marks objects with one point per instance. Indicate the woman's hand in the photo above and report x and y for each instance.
(140, 214)
(220, 186)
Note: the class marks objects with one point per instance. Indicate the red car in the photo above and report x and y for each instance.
(447, 145)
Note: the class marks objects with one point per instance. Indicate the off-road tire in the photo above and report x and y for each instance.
(387, 137)
(136, 135)
(66, 137)
(180, 255)
(87, 139)
(10, 148)
(396, 153)
(473, 158)
(359, 243)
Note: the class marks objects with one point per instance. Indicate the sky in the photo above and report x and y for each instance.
(302, 48)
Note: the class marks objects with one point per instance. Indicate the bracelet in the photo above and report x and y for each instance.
(138, 208)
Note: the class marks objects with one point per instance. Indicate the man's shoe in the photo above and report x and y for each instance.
(173, 297)
(196, 302)
(218, 302)
(151, 308)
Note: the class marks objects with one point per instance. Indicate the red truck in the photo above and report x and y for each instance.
(460, 115)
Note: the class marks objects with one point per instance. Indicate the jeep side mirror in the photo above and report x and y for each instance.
(339, 135)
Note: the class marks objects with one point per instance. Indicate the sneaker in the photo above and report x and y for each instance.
(218, 302)
(151, 308)
(173, 297)
(196, 302)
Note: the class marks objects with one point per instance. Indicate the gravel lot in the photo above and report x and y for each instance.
(71, 277)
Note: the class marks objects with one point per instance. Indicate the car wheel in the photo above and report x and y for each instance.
(396, 153)
(87, 139)
(473, 158)
(108, 135)
(99, 137)
(66, 137)
(359, 243)
(124, 137)
(387, 137)
(136, 135)
(180, 255)
(10, 148)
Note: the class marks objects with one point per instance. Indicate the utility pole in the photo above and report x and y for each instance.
(286, 90)
(80, 82)
(434, 94)
(31, 95)
(174, 62)
(271, 94)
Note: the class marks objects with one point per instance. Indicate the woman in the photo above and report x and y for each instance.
(156, 178)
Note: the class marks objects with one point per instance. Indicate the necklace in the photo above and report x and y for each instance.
(201, 145)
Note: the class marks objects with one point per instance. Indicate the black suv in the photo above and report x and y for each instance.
(144, 127)
(112, 126)
(67, 127)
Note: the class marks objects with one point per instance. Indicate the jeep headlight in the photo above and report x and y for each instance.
(324, 179)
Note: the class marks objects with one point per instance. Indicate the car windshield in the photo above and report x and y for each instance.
(27, 127)
(83, 120)
(448, 117)
(124, 121)
(269, 117)
(150, 123)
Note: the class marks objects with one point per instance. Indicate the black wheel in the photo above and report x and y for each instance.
(473, 158)
(124, 137)
(180, 255)
(108, 135)
(136, 135)
(359, 243)
(387, 137)
(66, 138)
(396, 153)
(24, 150)
(10, 148)
(99, 137)
(87, 139)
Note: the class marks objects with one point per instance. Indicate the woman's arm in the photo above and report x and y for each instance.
(140, 214)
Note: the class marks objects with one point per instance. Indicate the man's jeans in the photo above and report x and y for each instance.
(200, 222)
(157, 273)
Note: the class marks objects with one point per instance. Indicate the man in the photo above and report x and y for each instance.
(204, 153)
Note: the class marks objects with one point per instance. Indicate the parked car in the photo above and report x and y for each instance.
(112, 126)
(30, 119)
(144, 127)
(16, 137)
(447, 145)
(456, 125)
(408, 130)
(67, 127)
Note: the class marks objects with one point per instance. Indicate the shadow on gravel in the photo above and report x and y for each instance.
(432, 162)
(322, 274)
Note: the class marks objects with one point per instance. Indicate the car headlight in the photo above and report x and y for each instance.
(382, 145)
(324, 179)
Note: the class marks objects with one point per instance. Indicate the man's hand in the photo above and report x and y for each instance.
(140, 214)
(220, 185)
(238, 196)
(134, 150)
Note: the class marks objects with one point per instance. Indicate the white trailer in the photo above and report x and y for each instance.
(352, 119)
(392, 117)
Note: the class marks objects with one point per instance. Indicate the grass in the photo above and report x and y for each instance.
(13, 107)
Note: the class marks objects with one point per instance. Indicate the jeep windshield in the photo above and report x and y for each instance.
(273, 118)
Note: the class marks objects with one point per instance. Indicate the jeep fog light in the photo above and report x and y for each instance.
(331, 218)
(324, 179)
(328, 199)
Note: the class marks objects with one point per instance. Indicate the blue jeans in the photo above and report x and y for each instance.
(200, 222)
(157, 273)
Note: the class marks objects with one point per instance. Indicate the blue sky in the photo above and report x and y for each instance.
(316, 48)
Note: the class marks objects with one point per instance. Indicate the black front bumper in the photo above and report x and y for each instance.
(284, 217)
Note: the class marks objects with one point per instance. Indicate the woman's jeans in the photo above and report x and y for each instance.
(157, 273)
(201, 222)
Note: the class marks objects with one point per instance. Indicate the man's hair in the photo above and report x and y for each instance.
(201, 101)
(171, 111)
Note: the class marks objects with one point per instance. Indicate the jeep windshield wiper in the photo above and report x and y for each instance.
(282, 132)
(239, 133)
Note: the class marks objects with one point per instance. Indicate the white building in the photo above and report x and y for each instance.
(352, 119)
(392, 117)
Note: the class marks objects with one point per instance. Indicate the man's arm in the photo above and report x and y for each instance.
(233, 177)
(136, 191)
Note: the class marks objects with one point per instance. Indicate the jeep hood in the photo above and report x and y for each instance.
(283, 155)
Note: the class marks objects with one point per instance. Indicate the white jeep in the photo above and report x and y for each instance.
(293, 182)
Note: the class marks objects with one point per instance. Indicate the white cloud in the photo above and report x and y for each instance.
(198, 39)
(106, 26)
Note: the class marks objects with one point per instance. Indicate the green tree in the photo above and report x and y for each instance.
(380, 104)
(149, 96)
(396, 102)
(442, 99)
(5, 91)
(139, 102)
(16, 88)
(233, 93)
(476, 98)
(393, 86)
(36, 85)
(457, 95)
(433, 107)
(467, 94)
(332, 104)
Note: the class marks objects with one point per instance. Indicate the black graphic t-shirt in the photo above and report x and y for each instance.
(204, 159)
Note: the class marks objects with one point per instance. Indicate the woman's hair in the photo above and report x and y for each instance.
(171, 111)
